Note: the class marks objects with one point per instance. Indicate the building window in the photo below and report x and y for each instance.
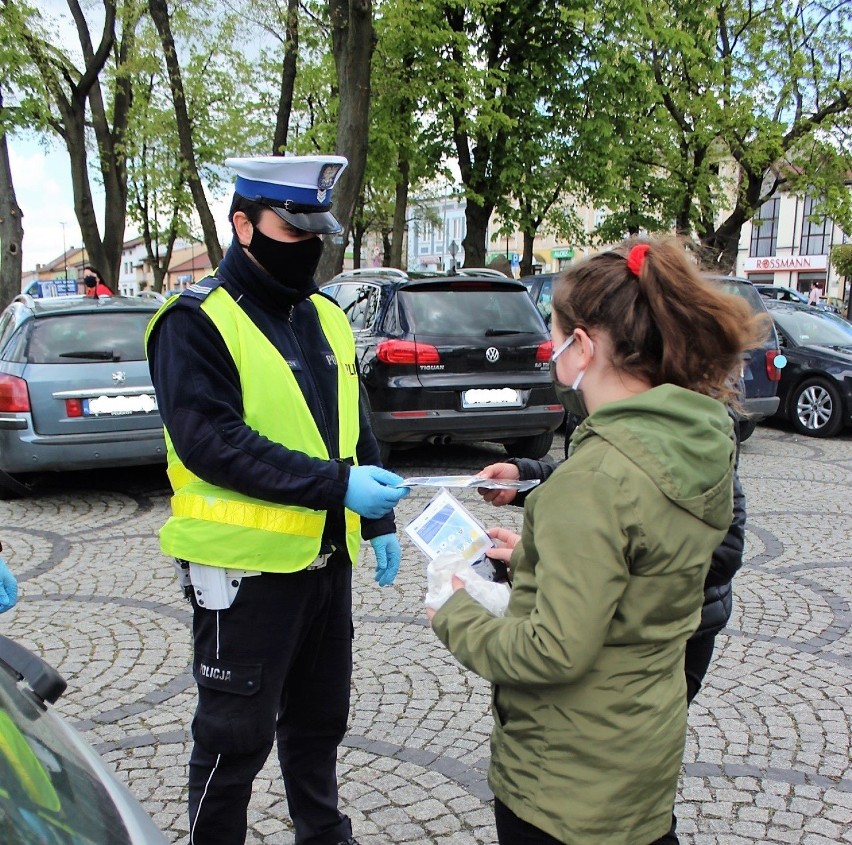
(816, 230)
(764, 230)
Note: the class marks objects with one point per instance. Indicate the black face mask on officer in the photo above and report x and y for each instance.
(293, 263)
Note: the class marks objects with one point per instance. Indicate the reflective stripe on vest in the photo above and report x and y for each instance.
(221, 527)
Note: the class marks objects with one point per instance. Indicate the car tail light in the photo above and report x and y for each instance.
(73, 407)
(407, 352)
(773, 371)
(544, 351)
(14, 395)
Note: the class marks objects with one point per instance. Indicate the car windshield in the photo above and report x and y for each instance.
(96, 336)
(49, 793)
(814, 327)
(482, 312)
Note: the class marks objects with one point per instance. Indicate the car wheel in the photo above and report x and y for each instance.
(745, 429)
(536, 446)
(816, 409)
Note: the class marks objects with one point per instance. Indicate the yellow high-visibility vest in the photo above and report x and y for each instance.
(220, 527)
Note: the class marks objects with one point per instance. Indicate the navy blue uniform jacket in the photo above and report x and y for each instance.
(199, 396)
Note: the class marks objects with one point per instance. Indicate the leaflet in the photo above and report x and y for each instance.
(446, 526)
(467, 481)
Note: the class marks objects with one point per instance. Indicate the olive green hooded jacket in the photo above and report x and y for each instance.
(589, 697)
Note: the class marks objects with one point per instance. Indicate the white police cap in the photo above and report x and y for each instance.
(296, 188)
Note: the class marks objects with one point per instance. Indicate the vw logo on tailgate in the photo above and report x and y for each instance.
(492, 354)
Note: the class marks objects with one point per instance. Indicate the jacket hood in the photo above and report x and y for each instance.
(681, 439)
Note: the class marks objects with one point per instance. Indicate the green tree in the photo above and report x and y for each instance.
(841, 260)
(85, 102)
(727, 103)
(163, 199)
(491, 81)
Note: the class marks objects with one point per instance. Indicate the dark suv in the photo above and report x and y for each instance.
(760, 374)
(761, 371)
(451, 359)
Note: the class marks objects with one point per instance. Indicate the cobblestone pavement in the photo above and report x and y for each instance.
(768, 751)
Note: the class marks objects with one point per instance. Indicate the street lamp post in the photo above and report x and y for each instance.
(64, 253)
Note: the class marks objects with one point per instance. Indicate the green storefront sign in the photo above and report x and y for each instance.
(562, 252)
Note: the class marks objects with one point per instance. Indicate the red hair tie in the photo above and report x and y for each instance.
(636, 258)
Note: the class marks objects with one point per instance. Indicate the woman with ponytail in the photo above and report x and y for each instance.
(607, 576)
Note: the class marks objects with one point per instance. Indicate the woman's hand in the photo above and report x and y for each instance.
(501, 472)
(458, 584)
(506, 540)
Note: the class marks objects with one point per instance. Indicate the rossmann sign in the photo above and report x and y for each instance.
(800, 263)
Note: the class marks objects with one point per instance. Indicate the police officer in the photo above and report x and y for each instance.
(276, 478)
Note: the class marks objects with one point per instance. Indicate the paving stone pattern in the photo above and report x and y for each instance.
(768, 747)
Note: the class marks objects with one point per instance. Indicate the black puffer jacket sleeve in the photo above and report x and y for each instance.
(530, 469)
(726, 561)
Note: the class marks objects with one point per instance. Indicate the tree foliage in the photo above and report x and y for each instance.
(727, 102)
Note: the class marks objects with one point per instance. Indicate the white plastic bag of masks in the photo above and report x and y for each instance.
(494, 597)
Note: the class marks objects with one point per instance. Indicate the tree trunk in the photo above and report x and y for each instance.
(399, 212)
(474, 243)
(527, 257)
(79, 101)
(288, 78)
(11, 228)
(160, 14)
(386, 247)
(357, 241)
(353, 41)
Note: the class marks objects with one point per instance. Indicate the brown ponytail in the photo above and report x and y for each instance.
(667, 323)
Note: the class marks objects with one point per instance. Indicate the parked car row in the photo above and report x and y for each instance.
(783, 294)
(443, 358)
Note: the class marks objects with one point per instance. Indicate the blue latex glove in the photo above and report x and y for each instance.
(388, 554)
(370, 492)
(9, 587)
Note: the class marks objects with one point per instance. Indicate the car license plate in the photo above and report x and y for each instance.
(119, 406)
(502, 397)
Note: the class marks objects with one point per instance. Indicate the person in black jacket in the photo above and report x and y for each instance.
(718, 592)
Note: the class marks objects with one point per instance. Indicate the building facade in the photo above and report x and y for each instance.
(789, 243)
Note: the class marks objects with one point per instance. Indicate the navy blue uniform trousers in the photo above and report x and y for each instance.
(276, 665)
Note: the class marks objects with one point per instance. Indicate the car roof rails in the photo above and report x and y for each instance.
(492, 272)
(26, 299)
(375, 271)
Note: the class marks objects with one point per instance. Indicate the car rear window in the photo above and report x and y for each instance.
(744, 290)
(97, 336)
(479, 312)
